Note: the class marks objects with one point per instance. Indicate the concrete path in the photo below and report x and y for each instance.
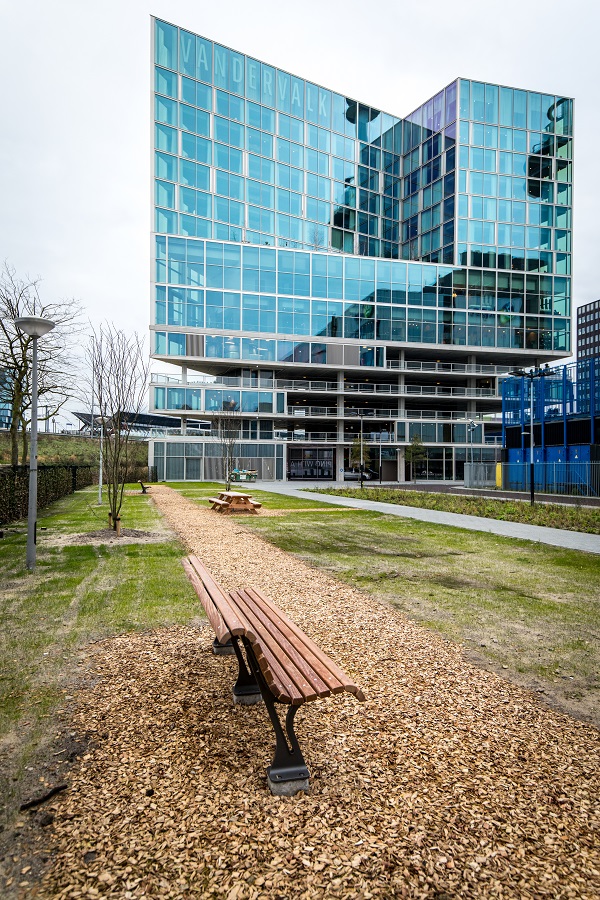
(572, 540)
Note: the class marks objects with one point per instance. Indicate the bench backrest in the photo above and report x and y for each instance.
(222, 616)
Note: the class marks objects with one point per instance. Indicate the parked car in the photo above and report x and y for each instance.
(354, 475)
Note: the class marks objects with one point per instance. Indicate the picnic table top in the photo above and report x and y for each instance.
(233, 494)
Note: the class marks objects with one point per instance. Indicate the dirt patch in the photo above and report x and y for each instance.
(109, 536)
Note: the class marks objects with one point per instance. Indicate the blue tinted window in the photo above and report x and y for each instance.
(165, 82)
(165, 44)
(187, 53)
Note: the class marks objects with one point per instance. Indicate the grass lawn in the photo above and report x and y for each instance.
(552, 515)
(78, 593)
(202, 490)
(527, 610)
(72, 448)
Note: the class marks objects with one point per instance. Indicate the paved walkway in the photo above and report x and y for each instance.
(572, 540)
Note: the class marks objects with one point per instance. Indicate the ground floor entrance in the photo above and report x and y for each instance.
(311, 463)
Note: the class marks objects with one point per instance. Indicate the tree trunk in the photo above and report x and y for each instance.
(24, 444)
(14, 442)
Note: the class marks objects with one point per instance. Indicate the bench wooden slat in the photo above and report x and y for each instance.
(344, 682)
(306, 649)
(290, 653)
(285, 677)
(207, 589)
(295, 668)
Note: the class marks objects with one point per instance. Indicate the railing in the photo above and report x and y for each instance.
(313, 437)
(311, 411)
(372, 413)
(415, 365)
(332, 387)
(286, 384)
(440, 390)
(451, 415)
(159, 378)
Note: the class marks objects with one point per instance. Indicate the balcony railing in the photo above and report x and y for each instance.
(450, 415)
(371, 413)
(416, 365)
(305, 411)
(288, 384)
(442, 390)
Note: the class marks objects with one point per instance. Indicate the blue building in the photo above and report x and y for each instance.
(323, 268)
(5, 400)
(566, 429)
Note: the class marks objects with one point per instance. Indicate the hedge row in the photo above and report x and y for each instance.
(54, 482)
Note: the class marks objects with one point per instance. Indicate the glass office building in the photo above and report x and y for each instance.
(321, 267)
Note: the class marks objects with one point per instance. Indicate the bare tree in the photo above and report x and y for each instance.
(227, 431)
(415, 453)
(120, 376)
(56, 361)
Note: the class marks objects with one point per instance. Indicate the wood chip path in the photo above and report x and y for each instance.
(448, 782)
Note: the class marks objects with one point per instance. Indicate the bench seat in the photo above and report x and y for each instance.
(218, 504)
(282, 665)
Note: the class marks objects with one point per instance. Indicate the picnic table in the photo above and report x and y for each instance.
(234, 501)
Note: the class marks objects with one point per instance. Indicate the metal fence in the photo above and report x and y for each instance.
(480, 475)
(576, 478)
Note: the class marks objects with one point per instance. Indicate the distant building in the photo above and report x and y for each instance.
(588, 330)
(5, 415)
(566, 429)
(340, 270)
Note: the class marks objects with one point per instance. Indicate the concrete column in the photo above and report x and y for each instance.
(401, 466)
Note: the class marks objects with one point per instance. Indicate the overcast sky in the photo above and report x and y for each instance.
(75, 126)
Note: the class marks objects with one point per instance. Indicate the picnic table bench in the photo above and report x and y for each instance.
(282, 665)
(234, 501)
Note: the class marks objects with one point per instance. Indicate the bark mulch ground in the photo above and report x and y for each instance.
(448, 782)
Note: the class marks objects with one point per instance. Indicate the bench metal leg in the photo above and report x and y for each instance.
(288, 773)
(246, 690)
(220, 649)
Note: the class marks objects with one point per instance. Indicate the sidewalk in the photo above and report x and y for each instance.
(571, 540)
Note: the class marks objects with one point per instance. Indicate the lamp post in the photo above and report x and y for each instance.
(533, 373)
(35, 327)
(362, 466)
(471, 426)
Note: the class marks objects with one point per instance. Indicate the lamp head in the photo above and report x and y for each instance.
(34, 326)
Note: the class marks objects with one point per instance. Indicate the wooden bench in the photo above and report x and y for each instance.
(144, 487)
(281, 665)
(219, 505)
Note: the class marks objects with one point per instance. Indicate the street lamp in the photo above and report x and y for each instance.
(35, 327)
(533, 373)
(362, 466)
(471, 426)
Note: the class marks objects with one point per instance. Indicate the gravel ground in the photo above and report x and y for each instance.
(448, 782)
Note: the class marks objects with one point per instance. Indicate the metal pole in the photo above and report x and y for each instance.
(362, 467)
(380, 454)
(92, 410)
(531, 465)
(101, 462)
(32, 507)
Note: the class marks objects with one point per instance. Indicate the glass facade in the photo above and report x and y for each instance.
(297, 227)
